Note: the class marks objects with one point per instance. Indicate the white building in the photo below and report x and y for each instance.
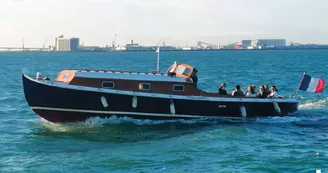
(63, 44)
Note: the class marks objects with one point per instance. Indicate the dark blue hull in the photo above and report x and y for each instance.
(65, 104)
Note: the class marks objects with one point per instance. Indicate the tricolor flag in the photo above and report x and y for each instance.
(311, 84)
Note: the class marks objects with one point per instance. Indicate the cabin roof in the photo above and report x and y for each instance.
(104, 74)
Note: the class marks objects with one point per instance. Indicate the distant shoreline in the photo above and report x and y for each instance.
(212, 50)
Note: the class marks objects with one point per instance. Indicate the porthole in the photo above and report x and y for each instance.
(108, 84)
(144, 86)
(178, 88)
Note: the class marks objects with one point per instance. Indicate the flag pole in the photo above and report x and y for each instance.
(298, 89)
(157, 60)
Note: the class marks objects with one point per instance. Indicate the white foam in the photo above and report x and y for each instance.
(120, 120)
(310, 104)
(99, 122)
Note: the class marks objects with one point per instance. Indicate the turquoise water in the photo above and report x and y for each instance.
(298, 143)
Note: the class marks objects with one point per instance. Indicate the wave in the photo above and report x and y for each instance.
(119, 120)
(119, 129)
(126, 129)
(312, 110)
(96, 122)
(314, 103)
(290, 119)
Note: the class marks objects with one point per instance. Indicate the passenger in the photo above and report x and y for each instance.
(222, 90)
(266, 91)
(194, 76)
(254, 87)
(273, 92)
(250, 92)
(276, 89)
(261, 94)
(237, 92)
(247, 91)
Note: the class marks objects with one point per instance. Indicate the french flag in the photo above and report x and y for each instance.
(311, 84)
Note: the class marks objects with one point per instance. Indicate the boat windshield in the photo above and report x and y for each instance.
(180, 70)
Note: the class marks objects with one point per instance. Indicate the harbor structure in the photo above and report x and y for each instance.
(271, 42)
(74, 44)
(262, 43)
(66, 44)
(63, 45)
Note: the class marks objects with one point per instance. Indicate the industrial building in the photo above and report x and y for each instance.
(246, 43)
(63, 45)
(74, 44)
(263, 43)
(137, 47)
(271, 42)
(67, 44)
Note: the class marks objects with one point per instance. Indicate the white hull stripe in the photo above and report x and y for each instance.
(164, 96)
(119, 113)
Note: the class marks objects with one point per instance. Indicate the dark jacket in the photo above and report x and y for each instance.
(238, 93)
(261, 95)
(266, 94)
(222, 91)
(194, 78)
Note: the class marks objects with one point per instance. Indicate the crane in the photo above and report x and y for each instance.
(113, 42)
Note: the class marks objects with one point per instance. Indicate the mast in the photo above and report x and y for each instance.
(157, 60)
(298, 89)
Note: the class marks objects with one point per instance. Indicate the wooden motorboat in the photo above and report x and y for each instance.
(76, 95)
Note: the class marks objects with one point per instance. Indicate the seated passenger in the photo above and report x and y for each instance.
(237, 92)
(222, 90)
(273, 92)
(261, 93)
(276, 89)
(254, 88)
(266, 91)
(250, 92)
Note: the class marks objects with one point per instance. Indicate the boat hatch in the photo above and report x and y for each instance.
(65, 76)
(180, 70)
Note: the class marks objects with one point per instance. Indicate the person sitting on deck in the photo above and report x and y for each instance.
(254, 88)
(261, 93)
(273, 92)
(237, 92)
(222, 90)
(266, 91)
(250, 92)
(194, 76)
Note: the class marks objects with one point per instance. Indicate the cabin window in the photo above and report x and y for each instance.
(178, 88)
(187, 71)
(180, 69)
(144, 86)
(108, 84)
(65, 76)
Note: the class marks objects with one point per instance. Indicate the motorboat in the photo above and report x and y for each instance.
(78, 94)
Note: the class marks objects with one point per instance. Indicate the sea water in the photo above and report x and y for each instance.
(298, 143)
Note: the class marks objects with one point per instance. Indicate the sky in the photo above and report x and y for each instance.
(150, 22)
